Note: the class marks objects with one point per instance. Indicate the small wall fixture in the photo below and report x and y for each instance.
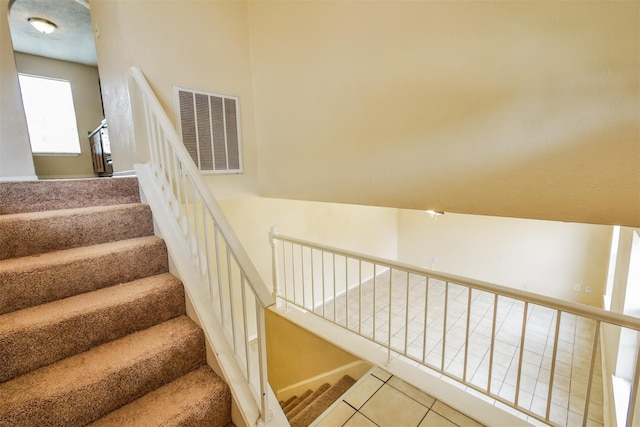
(42, 25)
(433, 213)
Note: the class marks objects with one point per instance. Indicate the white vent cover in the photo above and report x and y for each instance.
(209, 124)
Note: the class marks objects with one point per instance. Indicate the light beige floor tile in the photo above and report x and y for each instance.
(412, 392)
(451, 414)
(538, 406)
(595, 413)
(363, 391)
(405, 412)
(381, 374)
(435, 420)
(558, 414)
(338, 416)
(358, 420)
(574, 418)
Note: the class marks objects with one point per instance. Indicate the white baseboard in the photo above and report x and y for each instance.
(354, 369)
(125, 173)
(18, 178)
(78, 176)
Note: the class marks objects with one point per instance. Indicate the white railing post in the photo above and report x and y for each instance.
(520, 357)
(262, 364)
(594, 349)
(556, 338)
(389, 320)
(493, 340)
(633, 398)
(275, 276)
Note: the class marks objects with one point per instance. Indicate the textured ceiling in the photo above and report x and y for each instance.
(71, 41)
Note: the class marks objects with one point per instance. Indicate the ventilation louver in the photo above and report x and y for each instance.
(210, 129)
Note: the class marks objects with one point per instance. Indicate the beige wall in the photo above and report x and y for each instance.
(545, 257)
(370, 230)
(86, 100)
(520, 109)
(202, 45)
(113, 68)
(294, 354)
(15, 150)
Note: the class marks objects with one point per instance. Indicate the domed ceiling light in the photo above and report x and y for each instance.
(42, 25)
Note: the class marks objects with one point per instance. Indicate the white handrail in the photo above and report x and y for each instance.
(594, 313)
(257, 284)
(215, 264)
(292, 285)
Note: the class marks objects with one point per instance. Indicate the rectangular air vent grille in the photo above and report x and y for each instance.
(210, 127)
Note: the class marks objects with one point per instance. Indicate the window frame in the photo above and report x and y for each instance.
(27, 115)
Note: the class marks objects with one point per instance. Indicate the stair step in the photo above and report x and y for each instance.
(25, 234)
(199, 398)
(85, 387)
(296, 402)
(38, 279)
(319, 405)
(69, 326)
(35, 196)
(309, 400)
(289, 400)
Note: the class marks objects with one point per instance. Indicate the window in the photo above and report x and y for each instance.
(210, 127)
(51, 117)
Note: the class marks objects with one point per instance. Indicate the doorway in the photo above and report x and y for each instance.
(61, 52)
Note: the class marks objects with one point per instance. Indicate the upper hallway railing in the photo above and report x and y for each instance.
(222, 269)
(536, 354)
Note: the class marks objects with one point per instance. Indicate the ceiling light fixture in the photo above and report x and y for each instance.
(42, 25)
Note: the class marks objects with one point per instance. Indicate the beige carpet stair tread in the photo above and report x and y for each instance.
(34, 196)
(199, 398)
(33, 233)
(37, 279)
(69, 326)
(309, 400)
(296, 402)
(289, 400)
(326, 399)
(92, 325)
(87, 386)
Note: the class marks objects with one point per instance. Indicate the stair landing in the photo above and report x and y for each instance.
(381, 399)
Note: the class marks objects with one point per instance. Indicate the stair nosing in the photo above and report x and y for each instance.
(53, 213)
(25, 329)
(119, 350)
(72, 254)
(142, 404)
(83, 299)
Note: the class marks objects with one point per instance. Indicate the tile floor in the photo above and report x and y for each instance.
(367, 311)
(383, 400)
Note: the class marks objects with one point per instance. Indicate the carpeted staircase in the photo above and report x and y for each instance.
(92, 326)
(304, 409)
